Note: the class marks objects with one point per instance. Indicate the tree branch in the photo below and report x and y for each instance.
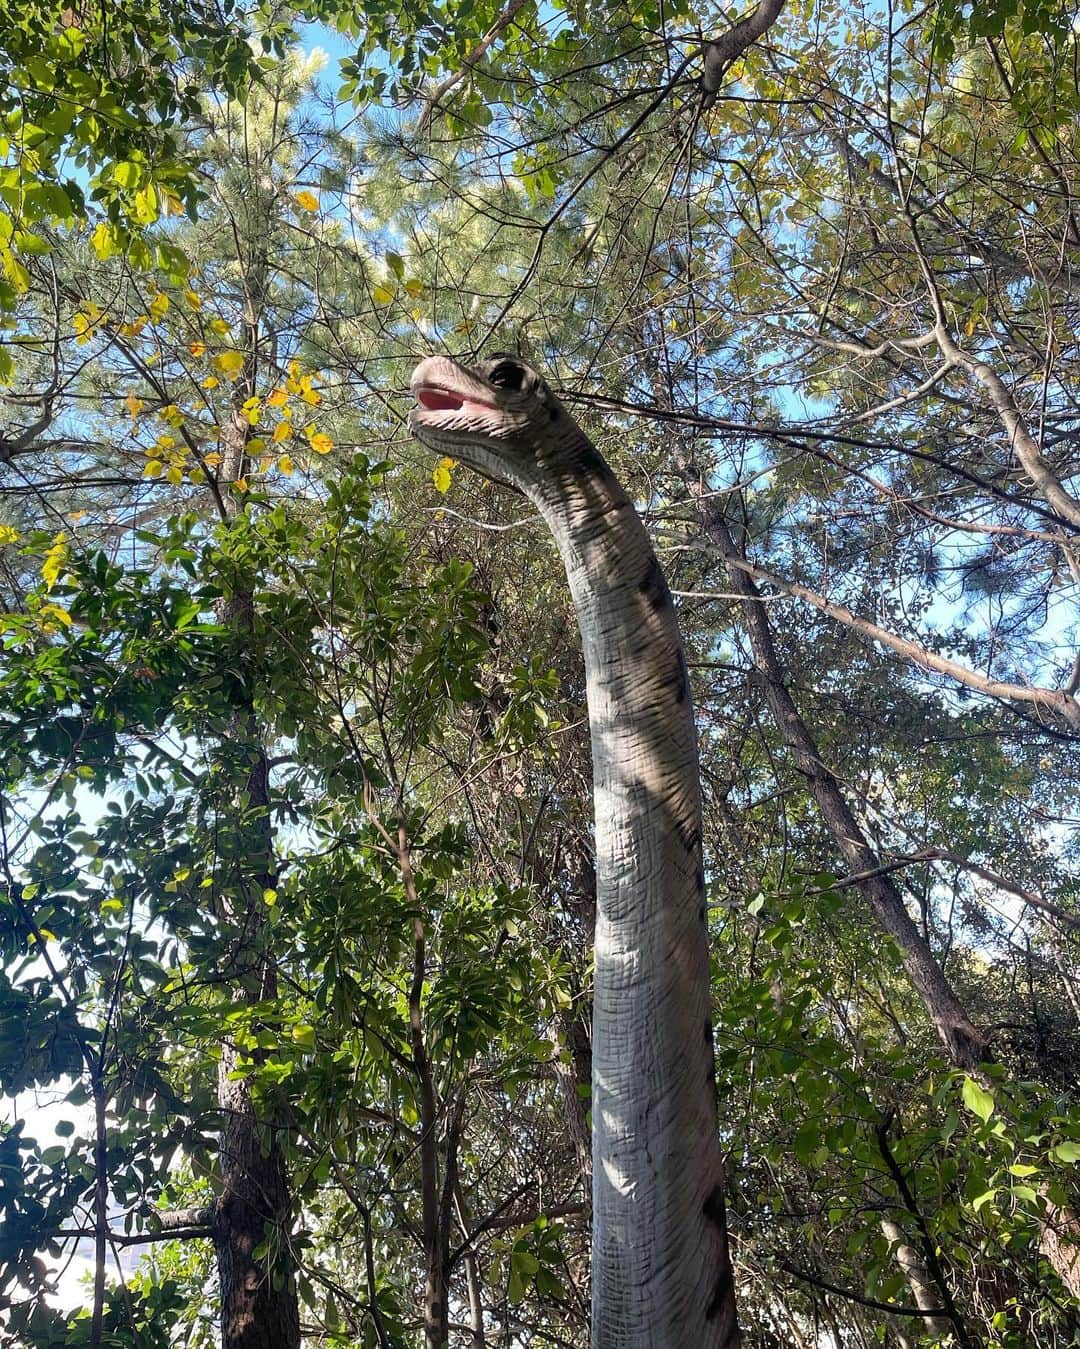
(721, 53)
(1060, 703)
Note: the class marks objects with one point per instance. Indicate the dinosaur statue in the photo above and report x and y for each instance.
(661, 1273)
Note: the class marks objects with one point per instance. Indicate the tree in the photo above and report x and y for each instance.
(749, 306)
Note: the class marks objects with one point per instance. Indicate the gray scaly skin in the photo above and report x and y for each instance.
(661, 1275)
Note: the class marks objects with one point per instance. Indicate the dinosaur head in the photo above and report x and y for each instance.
(499, 417)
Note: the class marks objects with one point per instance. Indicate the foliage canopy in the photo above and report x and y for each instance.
(296, 887)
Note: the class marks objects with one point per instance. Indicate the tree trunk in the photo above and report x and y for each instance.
(253, 1208)
(258, 1303)
(259, 1309)
(919, 1279)
(1059, 1241)
(966, 1046)
(571, 1077)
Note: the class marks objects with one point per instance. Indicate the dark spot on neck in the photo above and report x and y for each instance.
(653, 586)
(679, 680)
(722, 1302)
(689, 834)
(713, 1207)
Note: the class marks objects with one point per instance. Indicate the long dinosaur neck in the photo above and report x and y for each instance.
(661, 1273)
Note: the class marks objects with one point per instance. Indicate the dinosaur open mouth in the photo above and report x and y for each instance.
(439, 400)
(434, 399)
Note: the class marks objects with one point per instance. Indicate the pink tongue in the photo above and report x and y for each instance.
(437, 401)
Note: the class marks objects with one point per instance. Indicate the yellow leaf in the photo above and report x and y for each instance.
(219, 326)
(8, 535)
(383, 295)
(252, 410)
(210, 382)
(277, 399)
(311, 396)
(171, 415)
(441, 477)
(154, 469)
(54, 611)
(285, 464)
(321, 443)
(197, 349)
(256, 445)
(135, 327)
(134, 405)
(55, 559)
(212, 459)
(159, 306)
(83, 328)
(146, 205)
(103, 241)
(165, 442)
(174, 475)
(230, 363)
(282, 432)
(241, 484)
(194, 300)
(308, 200)
(196, 475)
(15, 272)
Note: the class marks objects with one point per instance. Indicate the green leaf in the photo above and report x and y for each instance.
(26, 242)
(127, 174)
(525, 1262)
(977, 1100)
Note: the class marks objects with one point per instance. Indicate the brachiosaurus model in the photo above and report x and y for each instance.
(661, 1273)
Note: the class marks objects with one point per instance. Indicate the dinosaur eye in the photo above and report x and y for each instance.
(507, 375)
